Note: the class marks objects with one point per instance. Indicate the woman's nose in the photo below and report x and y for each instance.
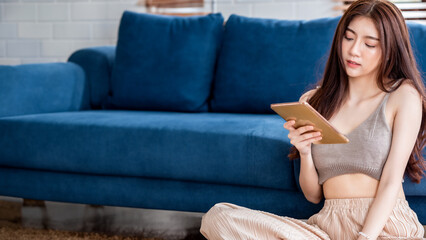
(355, 49)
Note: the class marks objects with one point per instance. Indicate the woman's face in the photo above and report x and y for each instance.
(361, 49)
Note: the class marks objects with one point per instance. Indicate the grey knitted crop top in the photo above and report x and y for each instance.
(366, 152)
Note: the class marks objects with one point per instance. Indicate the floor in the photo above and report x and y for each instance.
(167, 225)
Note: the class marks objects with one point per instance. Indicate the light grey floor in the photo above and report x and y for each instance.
(116, 220)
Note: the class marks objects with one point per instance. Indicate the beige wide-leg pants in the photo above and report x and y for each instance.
(339, 219)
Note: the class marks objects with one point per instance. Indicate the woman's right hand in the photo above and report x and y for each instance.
(302, 137)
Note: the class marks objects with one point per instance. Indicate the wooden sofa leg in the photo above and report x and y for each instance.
(33, 203)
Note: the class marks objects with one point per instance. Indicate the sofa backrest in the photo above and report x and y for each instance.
(253, 62)
(418, 41)
(264, 61)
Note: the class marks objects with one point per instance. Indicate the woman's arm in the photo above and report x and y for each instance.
(308, 176)
(406, 127)
(308, 179)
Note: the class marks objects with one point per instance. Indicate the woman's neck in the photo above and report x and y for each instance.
(361, 89)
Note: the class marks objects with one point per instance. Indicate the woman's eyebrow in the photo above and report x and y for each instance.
(370, 37)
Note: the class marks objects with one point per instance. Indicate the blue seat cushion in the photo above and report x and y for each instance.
(165, 62)
(264, 61)
(240, 149)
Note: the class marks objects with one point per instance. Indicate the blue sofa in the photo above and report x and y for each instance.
(175, 116)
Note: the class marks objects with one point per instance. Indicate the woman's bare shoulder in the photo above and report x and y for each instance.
(405, 96)
(307, 95)
(405, 92)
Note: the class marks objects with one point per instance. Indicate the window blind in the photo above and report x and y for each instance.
(176, 7)
(411, 9)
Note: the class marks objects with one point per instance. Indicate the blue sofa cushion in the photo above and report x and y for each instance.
(165, 62)
(239, 149)
(259, 65)
(418, 39)
(42, 88)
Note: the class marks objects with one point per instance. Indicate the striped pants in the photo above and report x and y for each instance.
(339, 219)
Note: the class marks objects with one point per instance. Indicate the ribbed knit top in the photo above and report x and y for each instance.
(367, 150)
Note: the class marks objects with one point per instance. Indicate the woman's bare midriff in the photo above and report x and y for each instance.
(355, 185)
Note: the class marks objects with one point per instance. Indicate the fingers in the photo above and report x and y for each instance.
(296, 132)
(305, 145)
(289, 125)
(306, 138)
(302, 136)
(304, 129)
(311, 138)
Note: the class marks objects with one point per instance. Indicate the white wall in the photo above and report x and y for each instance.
(34, 31)
(280, 9)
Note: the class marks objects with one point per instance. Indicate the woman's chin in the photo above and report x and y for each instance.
(353, 74)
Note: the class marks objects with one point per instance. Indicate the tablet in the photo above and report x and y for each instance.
(305, 114)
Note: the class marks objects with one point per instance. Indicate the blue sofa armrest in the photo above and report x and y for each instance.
(41, 88)
(97, 64)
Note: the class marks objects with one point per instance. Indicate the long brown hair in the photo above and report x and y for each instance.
(398, 62)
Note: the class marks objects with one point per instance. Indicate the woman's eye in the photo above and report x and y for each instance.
(370, 46)
(348, 38)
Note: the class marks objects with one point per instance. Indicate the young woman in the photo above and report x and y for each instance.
(373, 93)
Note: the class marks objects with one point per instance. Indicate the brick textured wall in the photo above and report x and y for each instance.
(34, 31)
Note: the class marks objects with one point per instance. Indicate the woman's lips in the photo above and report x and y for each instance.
(352, 64)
